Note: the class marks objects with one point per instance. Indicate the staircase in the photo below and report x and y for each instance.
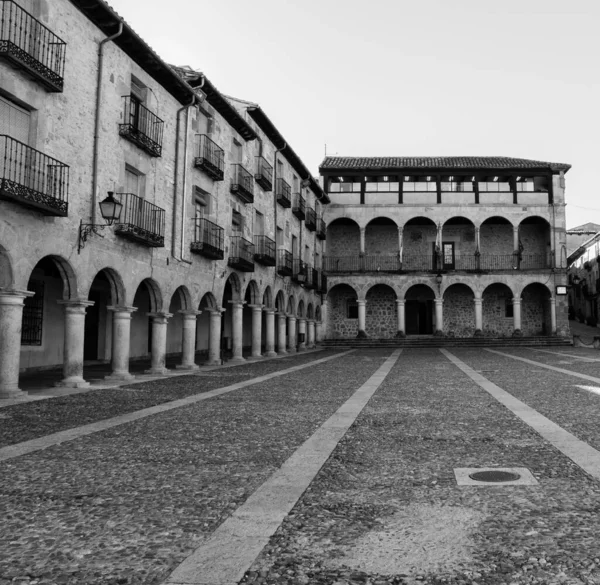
(424, 341)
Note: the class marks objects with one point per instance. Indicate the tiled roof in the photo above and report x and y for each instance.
(364, 163)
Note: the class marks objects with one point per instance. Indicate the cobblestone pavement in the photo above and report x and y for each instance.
(126, 506)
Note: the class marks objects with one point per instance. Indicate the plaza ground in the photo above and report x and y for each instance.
(352, 454)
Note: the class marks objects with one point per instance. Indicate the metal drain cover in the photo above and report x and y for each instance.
(494, 476)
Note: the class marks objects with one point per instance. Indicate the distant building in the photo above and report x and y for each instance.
(455, 246)
(584, 275)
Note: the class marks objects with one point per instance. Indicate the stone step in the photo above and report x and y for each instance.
(425, 342)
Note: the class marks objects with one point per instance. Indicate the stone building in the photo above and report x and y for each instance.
(200, 251)
(454, 246)
(584, 277)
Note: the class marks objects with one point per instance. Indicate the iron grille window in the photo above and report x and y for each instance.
(33, 314)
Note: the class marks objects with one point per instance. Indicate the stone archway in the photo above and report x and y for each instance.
(381, 314)
(536, 318)
(147, 299)
(459, 311)
(181, 300)
(342, 322)
(419, 310)
(497, 310)
(207, 304)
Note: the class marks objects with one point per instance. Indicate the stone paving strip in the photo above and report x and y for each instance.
(554, 394)
(228, 554)
(386, 509)
(568, 355)
(23, 422)
(128, 505)
(578, 451)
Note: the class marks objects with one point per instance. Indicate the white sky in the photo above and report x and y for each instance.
(403, 77)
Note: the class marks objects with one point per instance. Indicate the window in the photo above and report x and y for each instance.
(138, 115)
(279, 237)
(345, 185)
(294, 246)
(237, 152)
(237, 221)
(33, 314)
(202, 202)
(15, 121)
(425, 184)
(306, 254)
(259, 223)
(287, 229)
(351, 309)
(295, 187)
(384, 183)
(134, 181)
(508, 308)
(457, 184)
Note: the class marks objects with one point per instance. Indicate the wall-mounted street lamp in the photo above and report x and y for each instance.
(110, 209)
(439, 277)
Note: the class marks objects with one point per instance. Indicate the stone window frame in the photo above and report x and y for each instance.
(351, 309)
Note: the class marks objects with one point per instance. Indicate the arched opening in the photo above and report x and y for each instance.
(207, 303)
(381, 319)
(496, 244)
(310, 314)
(497, 311)
(267, 301)
(459, 311)
(535, 310)
(279, 309)
(458, 244)
(42, 332)
(419, 310)
(301, 309)
(534, 243)
(343, 246)
(106, 290)
(252, 297)
(147, 299)
(318, 313)
(418, 244)
(342, 320)
(180, 301)
(382, 245)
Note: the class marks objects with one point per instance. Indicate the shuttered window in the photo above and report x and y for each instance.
(14, 120)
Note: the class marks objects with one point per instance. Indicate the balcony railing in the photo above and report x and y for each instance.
(241, 184)
(299, 207)
(312, 277)
(264, 174)
(264, 250)
(322, 286)
(283, 193)
(141, 126)
(311, 219)
(285, 263)
(208, 239)
(28, 44)
(428, 263)
(321, 229)
(241, 254)
(32, 178)
(299, 271)
(210, 158)
(141, 221)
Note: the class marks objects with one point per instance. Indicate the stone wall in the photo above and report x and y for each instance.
(418, 240)
(459, 311)
(381, 320)
(343, 240)
(496, 238)
(535, 311)
(338, 326)
(381, 239)
(495, 321)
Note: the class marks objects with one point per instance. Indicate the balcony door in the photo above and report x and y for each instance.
(448, 257)
(19, 160)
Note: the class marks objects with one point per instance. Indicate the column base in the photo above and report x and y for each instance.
(291, 350)
(187, 367)
(157, 371)
(9, 392)
(302, 348)
(271, 354)
(254, 357)
(119, 377)
(73, 382)
(236, 360)
(214, 363)
(282, 352)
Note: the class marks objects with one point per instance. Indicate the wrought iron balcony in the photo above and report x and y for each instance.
(285, 264)
(241, 254)
(264, 174)
(208, 239)
(141, 221)
(299, 273)
(33, 179)
(311, 277)
(264, 251)
(322, 287)
(142, 127)
(29, 45)
(299, 207)
(321, 229)
(311, 219)
(210, 158)
(242, 185)
(283, 192)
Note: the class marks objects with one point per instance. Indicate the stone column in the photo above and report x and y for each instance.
(553, 315)
(439, 315)
(362, 240)
(188, 341)
(270, 333)
(237, 321)
(11, 319)
(214, 338)
(477, 248)
(159, 343)
(302, 330)
(256, 331)
(400, 306)
(73, 344)
(516, 314)
(318, 331)
(400, 244)
(291, 334)
(478, 314)
(120, 343)
(311, 333)
(361, 316)
(281, 337)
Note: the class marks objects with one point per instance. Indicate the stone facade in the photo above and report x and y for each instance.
(459, 311)
(381, 319)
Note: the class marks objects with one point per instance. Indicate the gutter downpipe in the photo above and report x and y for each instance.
(277, 150)
(97, 117)
(176, 182)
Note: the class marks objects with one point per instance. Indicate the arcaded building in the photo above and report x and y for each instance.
(452, 246)
(142, 213)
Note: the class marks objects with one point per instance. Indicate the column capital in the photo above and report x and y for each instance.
(516, 300)
(438, 301)
(189, 313)
(477, 300)
(361, 301)
(215, 311)
(160, 318)
(121, 309)
(553, 300)
(400, 302)
(291, 317)
(237, 303)
(14, 297)
(269, 310)
(256, 307)
(76, 305)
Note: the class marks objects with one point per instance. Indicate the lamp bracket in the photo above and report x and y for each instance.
(85, 230)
